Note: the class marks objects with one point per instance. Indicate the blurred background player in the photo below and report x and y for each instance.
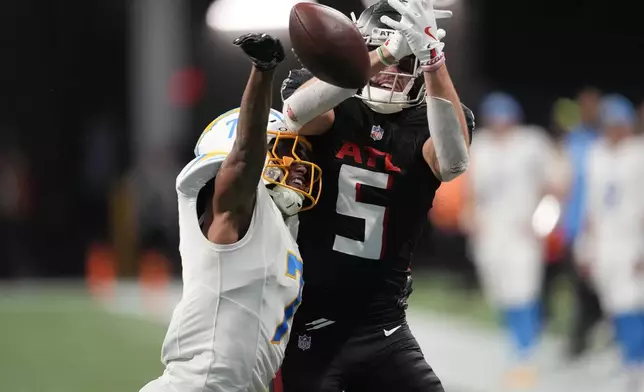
(382, 170)
(510, 175)
(611, 248)
(564, 115)
(577, 143)
(241, 266)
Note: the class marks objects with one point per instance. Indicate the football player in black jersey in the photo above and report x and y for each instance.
(384, 151)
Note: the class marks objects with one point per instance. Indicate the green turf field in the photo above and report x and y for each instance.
(57, 339)
(62, 342)
(442, 294)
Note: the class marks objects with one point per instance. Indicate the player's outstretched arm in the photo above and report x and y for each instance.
(446, 152)
(309, 103)
(236, 182)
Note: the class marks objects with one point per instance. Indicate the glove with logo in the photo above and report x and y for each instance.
(398, 47)
(265, 51)
(418, 26)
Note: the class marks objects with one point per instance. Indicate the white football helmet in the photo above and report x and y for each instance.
(400, 86)
(284, 149)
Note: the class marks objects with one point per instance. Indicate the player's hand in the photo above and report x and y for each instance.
(418, 26)
(398, 47)
(265, 51)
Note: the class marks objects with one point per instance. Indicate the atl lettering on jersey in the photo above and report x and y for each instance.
(369, 156)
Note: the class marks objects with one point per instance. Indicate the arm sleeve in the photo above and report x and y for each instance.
(306, 104)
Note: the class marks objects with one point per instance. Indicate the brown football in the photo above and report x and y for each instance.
(328, 44)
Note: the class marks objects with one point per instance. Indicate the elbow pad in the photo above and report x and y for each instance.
(312, 101)
(448, 138)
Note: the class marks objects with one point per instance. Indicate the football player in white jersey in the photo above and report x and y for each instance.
(508, 179)
(242, 284)
(612, 247)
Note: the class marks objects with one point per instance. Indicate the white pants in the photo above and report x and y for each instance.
(619, 285)
(510, 269)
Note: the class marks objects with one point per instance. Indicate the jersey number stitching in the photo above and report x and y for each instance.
(294, 267)
(350, 181)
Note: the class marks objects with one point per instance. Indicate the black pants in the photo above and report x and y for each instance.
(548, 294)
(587, 311)
(337, 358)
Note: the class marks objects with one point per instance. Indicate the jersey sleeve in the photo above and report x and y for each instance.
(295, 79)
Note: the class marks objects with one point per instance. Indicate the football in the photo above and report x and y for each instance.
(328, 43)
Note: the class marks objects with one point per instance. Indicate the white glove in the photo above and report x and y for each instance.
(418, 26)
(398, 47)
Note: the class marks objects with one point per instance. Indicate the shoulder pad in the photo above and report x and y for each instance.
(200, 170)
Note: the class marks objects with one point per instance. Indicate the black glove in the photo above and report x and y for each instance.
(265, 51)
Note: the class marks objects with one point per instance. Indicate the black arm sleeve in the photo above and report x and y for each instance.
(471, 121)
(295, 79)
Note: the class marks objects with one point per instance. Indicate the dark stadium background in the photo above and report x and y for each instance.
(75, 79)
(64, 64)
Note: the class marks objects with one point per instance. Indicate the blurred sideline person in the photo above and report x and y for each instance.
(586, 311)
(640, 119)
(242, 272)
(612, 245)
(509, 176)
(564, 115)
(447, 242)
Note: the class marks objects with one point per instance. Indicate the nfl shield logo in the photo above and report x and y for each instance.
(304, 342)
(376, 132)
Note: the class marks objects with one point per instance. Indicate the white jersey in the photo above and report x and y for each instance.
(615, 209)
(230, 330)
(508, 176)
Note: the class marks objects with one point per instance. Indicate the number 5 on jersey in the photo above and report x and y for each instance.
(350, 182)
(294, 269)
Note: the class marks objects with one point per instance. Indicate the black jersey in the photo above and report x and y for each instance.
(376, 191)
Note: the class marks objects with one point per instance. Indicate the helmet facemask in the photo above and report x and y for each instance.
(396, 87)
(290, 175)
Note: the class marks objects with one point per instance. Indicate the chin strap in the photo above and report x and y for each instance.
(287, 200)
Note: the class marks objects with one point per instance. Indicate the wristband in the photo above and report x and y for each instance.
(383, 58)
(436, 60)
